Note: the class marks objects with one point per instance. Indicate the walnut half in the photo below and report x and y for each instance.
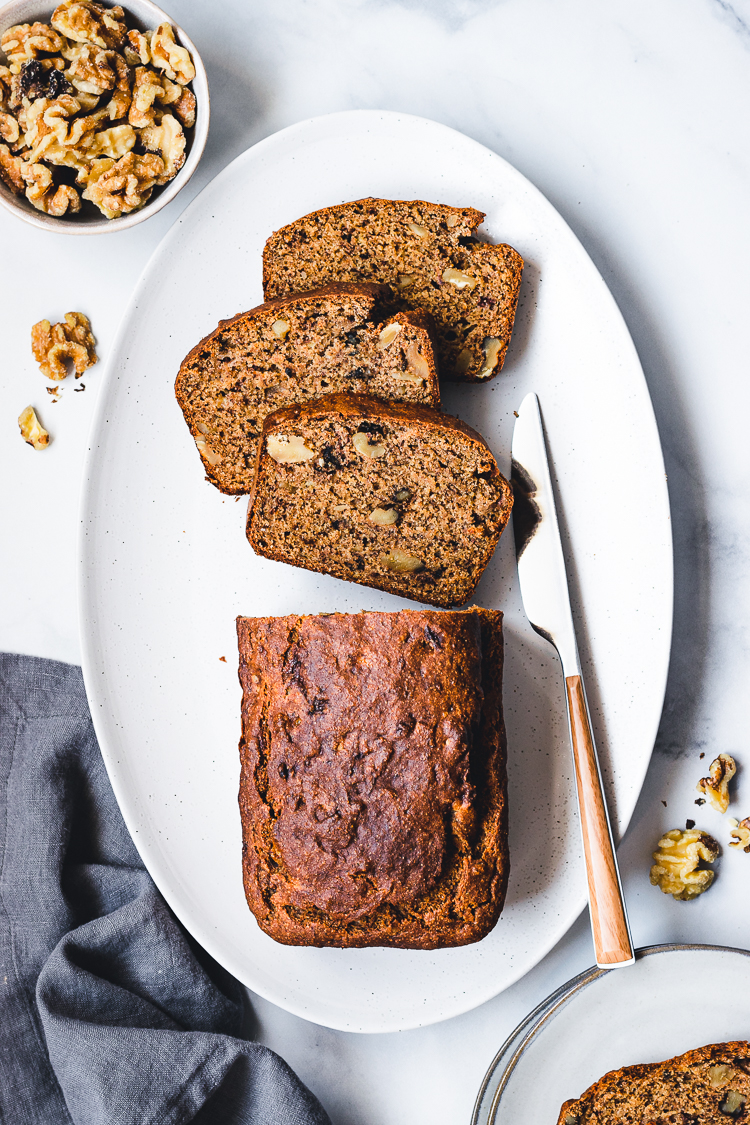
(676, 871)
(56, 345)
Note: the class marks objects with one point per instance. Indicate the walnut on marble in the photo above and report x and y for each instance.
(56, 345)
(678, 857)
(715, 787)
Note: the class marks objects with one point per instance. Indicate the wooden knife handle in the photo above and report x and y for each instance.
(608, 920)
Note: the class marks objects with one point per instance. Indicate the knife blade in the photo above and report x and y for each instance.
(544, 591)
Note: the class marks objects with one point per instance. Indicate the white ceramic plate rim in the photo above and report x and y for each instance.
(97, 694)
(524, 1034)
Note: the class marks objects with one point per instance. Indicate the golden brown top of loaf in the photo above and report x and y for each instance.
(373, 778)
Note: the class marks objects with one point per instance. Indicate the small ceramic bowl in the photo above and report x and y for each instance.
(144, 15)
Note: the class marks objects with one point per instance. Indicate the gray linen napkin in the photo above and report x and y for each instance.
(109, 1013)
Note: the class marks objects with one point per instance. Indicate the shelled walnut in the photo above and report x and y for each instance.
(56, 345)
(676, 871)
(85, 87)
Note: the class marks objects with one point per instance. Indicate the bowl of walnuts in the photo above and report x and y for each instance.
(103, 113)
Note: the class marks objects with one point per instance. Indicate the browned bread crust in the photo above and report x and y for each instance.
(373, 783)
(690, 1089)
(431, 257)
(429, 473)
(245, 368)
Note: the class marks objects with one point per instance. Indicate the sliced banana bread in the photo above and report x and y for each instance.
(431, 257)
(373, 791)
(389, 495)
(292, 349)
(708, 1086)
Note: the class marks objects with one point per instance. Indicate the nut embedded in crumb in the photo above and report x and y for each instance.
(740, 834)
(288, 449)
(208, 453)
(367, 446)
(383, 517)
(418, 368)
(54, 345)
(720, 1075)
(281, 328)
(716, 785)
(492, 347)
(676, 871)
(32, 430)
(733, 1104)
(388, 335)
(401, 562)
(460, 280)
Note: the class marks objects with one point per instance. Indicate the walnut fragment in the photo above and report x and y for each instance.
(716, 786)
(740, 834)
(55, 345)
(32, 430)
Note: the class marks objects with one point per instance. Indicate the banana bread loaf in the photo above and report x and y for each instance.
(290, 350)
(395, 496)
(708, 1086)
(431, 257)
(373, 787)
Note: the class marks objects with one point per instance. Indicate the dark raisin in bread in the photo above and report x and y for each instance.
(373, 789)
(708, 1086)
(389, 495)
(431, 257)
(290, 350)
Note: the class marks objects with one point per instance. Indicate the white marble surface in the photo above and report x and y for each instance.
(632, 117)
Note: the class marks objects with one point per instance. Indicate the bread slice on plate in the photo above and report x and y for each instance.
(337, 338)
(707, 1086)
(390, 495)
(373, 791)
(428, 253)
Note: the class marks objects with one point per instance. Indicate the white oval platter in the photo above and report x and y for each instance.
(165, 567)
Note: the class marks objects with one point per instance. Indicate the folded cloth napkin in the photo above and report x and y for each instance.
(109, 1013)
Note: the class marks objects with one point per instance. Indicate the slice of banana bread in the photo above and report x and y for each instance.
(373, 790)
(429, 254)
(389, 495)
(708, 1086)
(292, 349)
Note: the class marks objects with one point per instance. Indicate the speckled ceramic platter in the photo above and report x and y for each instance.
(165, 567)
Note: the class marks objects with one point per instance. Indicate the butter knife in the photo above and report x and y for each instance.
(544, 590)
